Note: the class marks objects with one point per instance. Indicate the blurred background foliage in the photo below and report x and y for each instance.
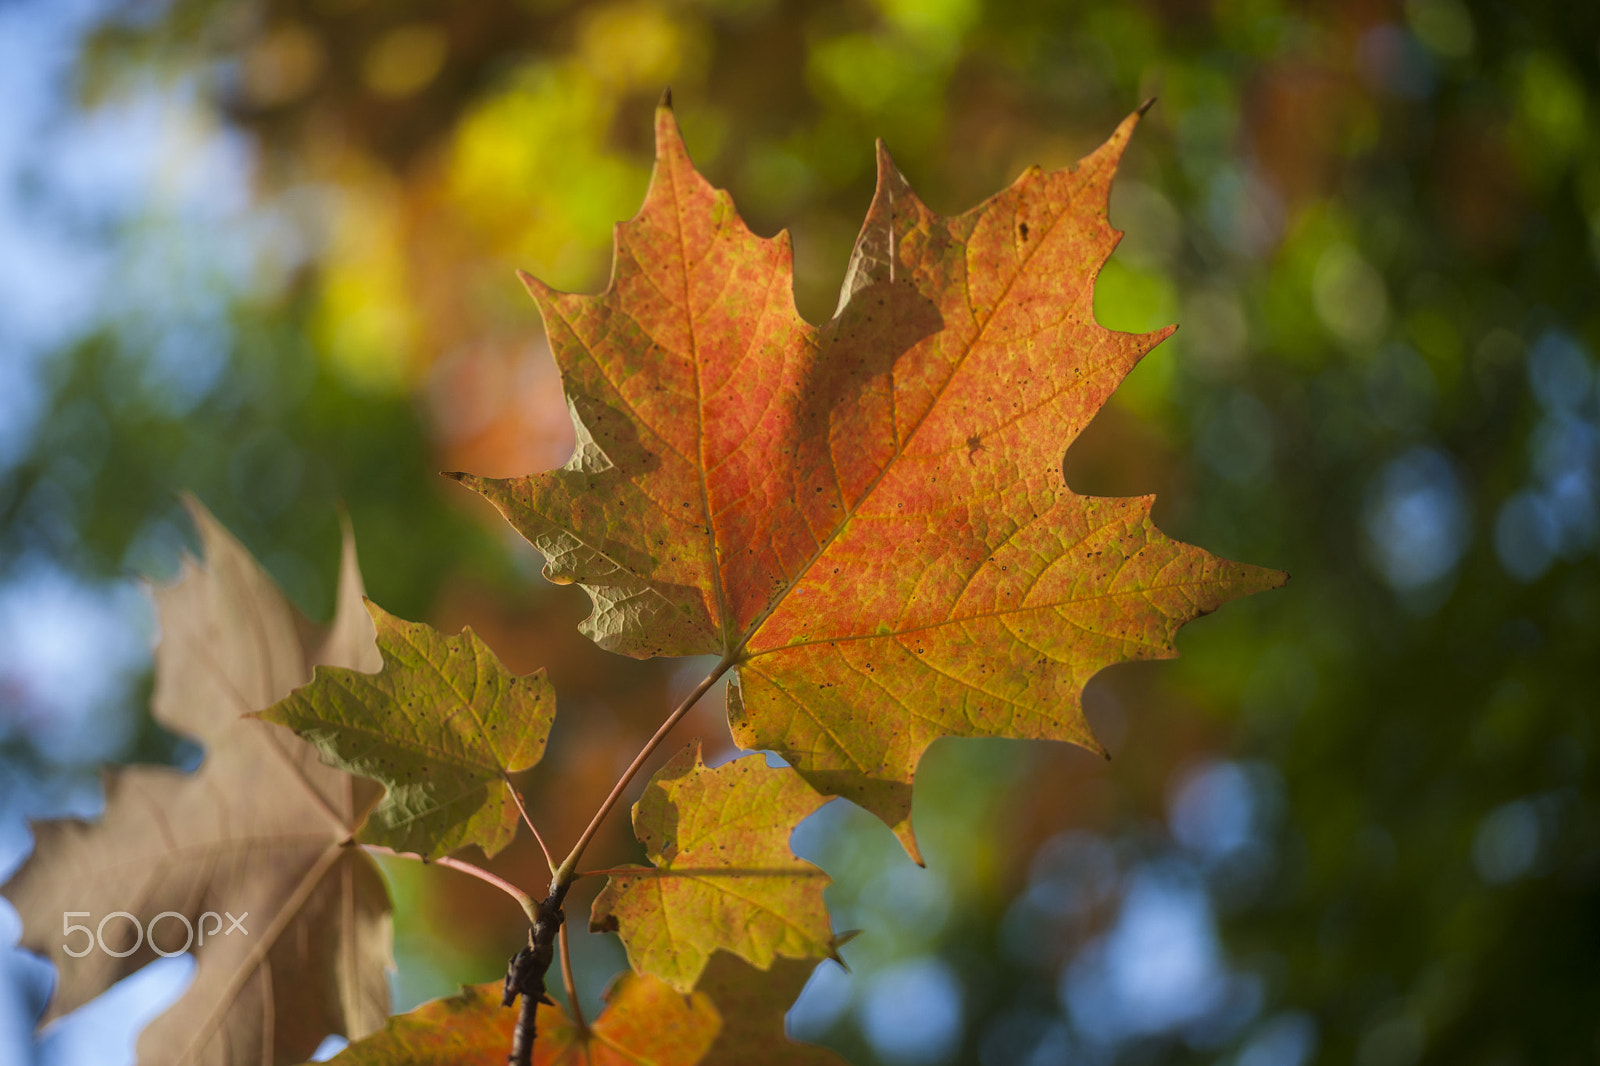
(263, 250)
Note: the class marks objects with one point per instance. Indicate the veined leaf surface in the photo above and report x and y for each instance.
(645, 1023)
(731, 1019)
(441, 726)
(869, 517)
(724, 877)
(261, 832)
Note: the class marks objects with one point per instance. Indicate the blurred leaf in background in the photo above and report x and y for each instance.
(264, 251)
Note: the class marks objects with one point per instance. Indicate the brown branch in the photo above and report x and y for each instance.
(526, 1031)
(526, 972)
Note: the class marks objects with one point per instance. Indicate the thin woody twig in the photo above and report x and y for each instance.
(525, 974)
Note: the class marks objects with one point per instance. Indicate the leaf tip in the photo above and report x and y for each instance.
(381, 619)
(536, 288)
(840, 940)
(1091, 743)
(214, 536)
(908, 840)
(1150, 341)
(669, 141)
(1146, 106)
(888, 174)
(666, 99)
(191, 502)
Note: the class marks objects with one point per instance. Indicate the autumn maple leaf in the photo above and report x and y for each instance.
(260, 833)
(645, 1021)
(734, 1017)
(868, 520)
(724, 877)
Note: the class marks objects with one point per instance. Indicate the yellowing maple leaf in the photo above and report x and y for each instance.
(868, 519)
(724, 876)
(260, 833)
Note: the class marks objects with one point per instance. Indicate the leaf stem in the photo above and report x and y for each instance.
(568, 869)
(574, 1008)
(525, 901)
(516, 797)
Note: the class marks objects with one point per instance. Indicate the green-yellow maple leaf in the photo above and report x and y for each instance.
(724, 876)
(868, 520)
(442, 725)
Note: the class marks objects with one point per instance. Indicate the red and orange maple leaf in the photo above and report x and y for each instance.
(868, 518)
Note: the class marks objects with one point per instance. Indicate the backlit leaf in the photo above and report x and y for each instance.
(869, 518)
(470, 1028)
(724, 876)
(442, 725)
(645, 1023)
(261, 832)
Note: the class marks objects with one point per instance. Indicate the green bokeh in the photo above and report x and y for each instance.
(1378, 230)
